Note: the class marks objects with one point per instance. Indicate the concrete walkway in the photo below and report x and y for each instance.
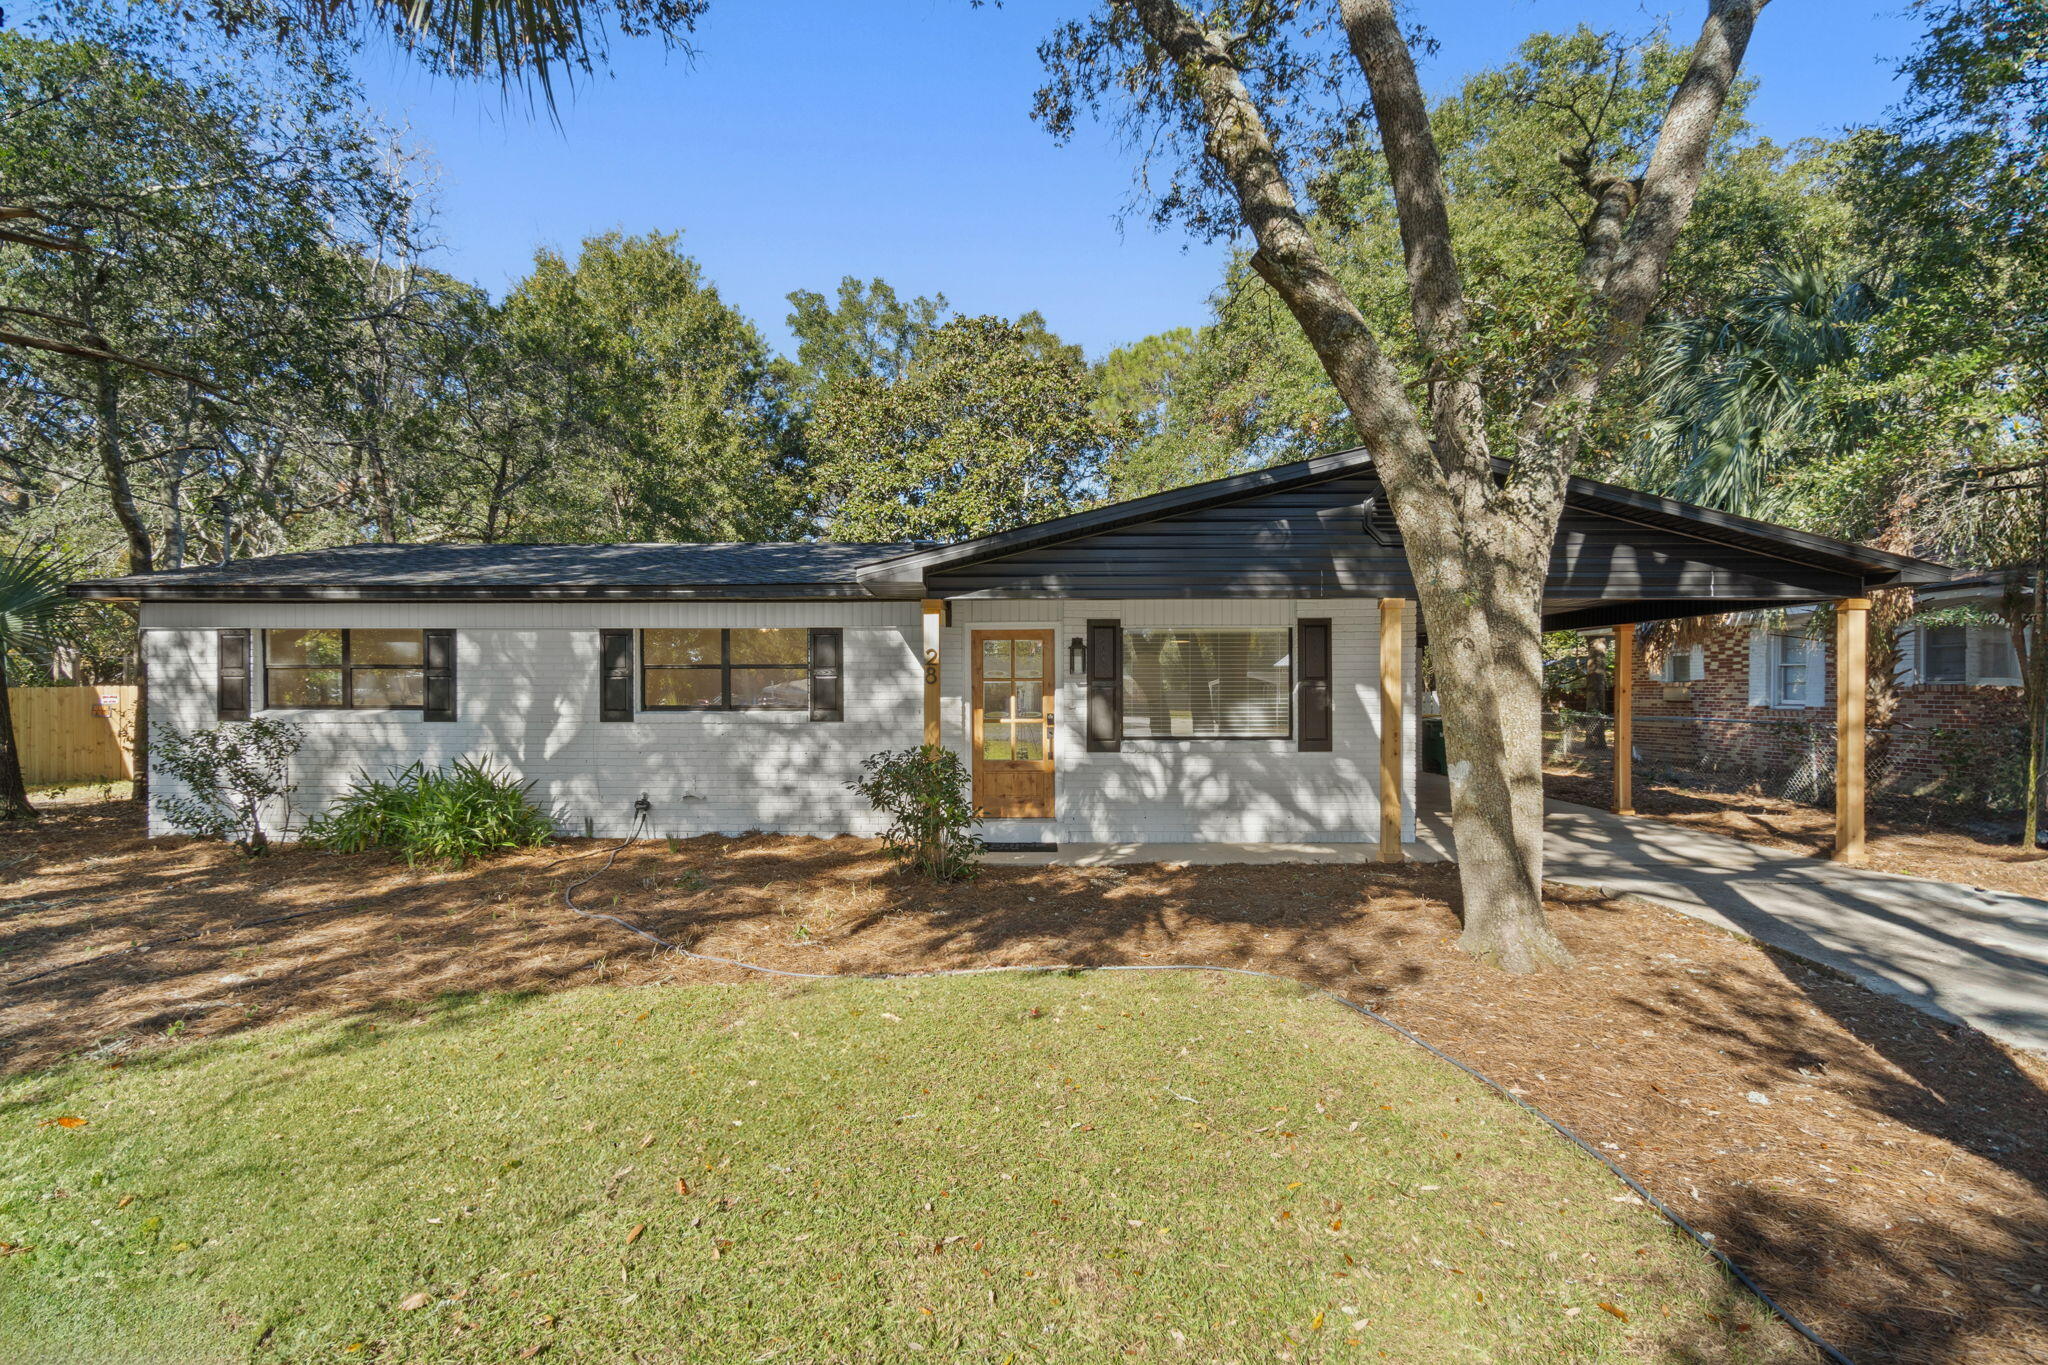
(1953, 951)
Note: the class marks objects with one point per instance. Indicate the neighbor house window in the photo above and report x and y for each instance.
(1207, 683)
(1997, 661)
(1795, 669)
(1682, 665)
(725, 670)
(1945, 654)
(366, 670)
(1968, 654)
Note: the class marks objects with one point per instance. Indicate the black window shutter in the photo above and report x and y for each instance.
(828, 691)
(233, 694)
(615, 676)
(1105, 687)
(439, 655)
(1312, 684)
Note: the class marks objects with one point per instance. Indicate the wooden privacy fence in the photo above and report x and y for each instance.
(74, 734)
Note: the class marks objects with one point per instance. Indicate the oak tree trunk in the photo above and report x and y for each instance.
(1485, 623)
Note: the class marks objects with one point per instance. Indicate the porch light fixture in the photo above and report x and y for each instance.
(1077, 655)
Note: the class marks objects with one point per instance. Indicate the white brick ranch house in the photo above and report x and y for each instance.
(1230, 662)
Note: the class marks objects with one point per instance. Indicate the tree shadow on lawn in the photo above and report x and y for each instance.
(1928, 1242)
(1875, 1264)
(148, 935)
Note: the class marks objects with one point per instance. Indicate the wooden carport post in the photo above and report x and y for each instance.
(1390, 729)
(1624, 720)
(934, 617)
(1852, 619)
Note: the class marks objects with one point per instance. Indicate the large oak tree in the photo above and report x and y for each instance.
(1476, 434)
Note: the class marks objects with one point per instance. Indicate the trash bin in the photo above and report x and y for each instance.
(1433, 760)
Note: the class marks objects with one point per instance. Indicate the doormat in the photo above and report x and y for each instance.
(998, 846)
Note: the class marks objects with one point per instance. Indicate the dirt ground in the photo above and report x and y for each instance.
(1884, 1175)
(1898, 840)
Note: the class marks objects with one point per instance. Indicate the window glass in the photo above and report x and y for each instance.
(684, 687)
(669, 648)
(1678, 667)
(1996, 658)
(385, 648)
(1795, 657)
(740, 670)
(365, 669)
(374, 687)
(771, 689)
(1207, 683)
(790, 648)
(1946, 653)
(303, 687)
(299, 648)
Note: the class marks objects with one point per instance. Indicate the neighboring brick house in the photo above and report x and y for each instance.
(1754, 700)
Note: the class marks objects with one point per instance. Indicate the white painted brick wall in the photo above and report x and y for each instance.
(527, 699)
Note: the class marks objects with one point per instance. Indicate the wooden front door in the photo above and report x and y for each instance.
(1012, 723)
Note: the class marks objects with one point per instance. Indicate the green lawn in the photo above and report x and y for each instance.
(1043, 1168)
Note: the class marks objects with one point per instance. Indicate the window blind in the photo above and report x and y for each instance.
(1206, 683)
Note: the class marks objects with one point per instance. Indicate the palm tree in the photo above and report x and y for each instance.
(1741, 398)
(34, 609)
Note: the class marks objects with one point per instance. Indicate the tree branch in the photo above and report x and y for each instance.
(35, 343)
(1288, 258)
(1436, 289)
(1677, 165)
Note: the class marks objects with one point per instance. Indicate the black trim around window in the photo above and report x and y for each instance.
(347, 668)
(724, 670)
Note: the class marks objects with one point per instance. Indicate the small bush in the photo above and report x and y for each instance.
(927, 795)
(467, 811)
(230, 773)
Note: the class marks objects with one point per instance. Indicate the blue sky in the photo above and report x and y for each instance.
(810, 139)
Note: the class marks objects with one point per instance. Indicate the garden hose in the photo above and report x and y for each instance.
(1671, 1215)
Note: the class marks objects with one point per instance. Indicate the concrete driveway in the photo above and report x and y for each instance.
(1954, 951)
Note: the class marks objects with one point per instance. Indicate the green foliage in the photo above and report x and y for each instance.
(927, 794)
(1741, 395)
(35, 611)
(670, 422)
(220, 193)
(1248, 390)
(231, 774)
(869, 333)
(990, 427)
(470, 810)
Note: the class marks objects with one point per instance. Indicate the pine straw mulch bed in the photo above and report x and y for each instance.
(1884, 1174)
(1903, 841)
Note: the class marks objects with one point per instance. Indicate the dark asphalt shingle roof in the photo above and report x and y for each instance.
(424, 569)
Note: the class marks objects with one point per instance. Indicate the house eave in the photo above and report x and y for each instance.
(128, 591)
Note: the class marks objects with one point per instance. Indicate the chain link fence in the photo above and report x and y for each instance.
(1975, 768)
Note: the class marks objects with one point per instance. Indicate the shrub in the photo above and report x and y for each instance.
(467, 811)
(926, 794)
(230, 773)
